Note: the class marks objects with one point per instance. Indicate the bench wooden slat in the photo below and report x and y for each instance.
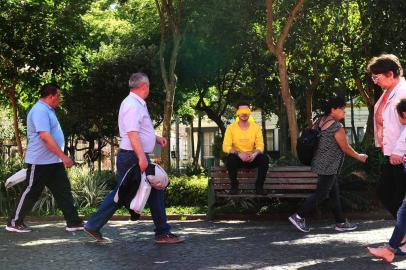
(268, 180)
(267, 186)
(274, 195)
(250, 174)
(277, 169)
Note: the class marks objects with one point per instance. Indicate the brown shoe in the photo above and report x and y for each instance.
(97, 236)
(383, 253)
(168, 238)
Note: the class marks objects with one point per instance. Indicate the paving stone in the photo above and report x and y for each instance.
(209, 245)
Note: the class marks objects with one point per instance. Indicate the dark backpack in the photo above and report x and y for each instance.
(307, 143)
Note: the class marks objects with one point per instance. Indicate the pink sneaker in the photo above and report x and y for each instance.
(383, 253)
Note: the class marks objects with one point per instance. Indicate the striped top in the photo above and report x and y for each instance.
(329, 157)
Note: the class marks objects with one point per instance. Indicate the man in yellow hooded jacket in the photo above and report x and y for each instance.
(243, 142)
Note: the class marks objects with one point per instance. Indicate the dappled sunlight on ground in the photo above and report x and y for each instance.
(209, 245)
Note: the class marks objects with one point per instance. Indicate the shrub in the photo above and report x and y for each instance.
(90, 187)
(8, 198)
(187, 191)
(46, 204)
(192, 169)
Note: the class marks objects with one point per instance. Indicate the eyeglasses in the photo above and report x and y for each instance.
(375, 77)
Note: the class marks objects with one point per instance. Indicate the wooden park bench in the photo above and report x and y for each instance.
(280, 182)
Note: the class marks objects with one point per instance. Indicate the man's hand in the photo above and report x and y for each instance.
(244, 156)
(253, 156)
(67, 162)
(161, 141)
(395, 159)
(143, 163)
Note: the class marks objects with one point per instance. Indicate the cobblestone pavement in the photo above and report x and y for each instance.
(209, 245)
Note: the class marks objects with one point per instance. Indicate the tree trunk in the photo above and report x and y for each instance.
(369, 99)
(263, 123)
(11, 94)
(283, 131)
(289, 102)
(369, 132)
(99, 154)
(276, 48)
(199, 141)
(168, 13)
(354, 131)
(177, 147)
(309, 96)
(192, 141)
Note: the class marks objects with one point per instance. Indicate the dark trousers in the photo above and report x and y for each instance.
(55, 178)
(327, 187)
(391, 187)
(261, 162)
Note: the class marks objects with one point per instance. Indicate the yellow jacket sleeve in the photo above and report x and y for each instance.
(228, 141)
(259, 141)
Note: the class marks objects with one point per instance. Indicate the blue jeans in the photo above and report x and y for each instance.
(156, 200)
(400, 227)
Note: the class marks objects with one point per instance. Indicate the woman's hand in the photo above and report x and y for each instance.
(362, 157)
(395, 159)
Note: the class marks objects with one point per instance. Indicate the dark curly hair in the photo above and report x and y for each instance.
(401, 107)
(333, 103)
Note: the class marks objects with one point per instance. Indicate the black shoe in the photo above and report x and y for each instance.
(20, 228)
(260, 191)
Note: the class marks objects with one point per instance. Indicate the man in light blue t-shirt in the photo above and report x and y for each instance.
(46, 163)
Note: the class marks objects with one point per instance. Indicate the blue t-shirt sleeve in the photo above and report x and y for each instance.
(40, 121)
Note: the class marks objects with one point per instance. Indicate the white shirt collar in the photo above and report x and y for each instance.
(138, 98)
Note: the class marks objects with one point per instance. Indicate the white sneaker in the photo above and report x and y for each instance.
(74, 228)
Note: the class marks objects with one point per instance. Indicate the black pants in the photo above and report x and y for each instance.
(55, 178)
(391, 187)
(327, 187)
(261, 162)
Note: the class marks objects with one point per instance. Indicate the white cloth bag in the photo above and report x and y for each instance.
(141, 198)
(160, 180)
(16, 178)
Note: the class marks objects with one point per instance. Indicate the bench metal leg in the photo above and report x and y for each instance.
(211, 199)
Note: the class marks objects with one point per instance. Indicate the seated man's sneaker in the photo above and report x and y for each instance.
(168, 238)
(20, 228)
(299, 223)
(97, 236)
(383, 253)
(346, 226)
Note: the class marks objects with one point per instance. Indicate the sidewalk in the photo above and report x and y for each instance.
(209, 245)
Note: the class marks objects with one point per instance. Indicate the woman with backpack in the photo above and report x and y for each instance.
(327, 162)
